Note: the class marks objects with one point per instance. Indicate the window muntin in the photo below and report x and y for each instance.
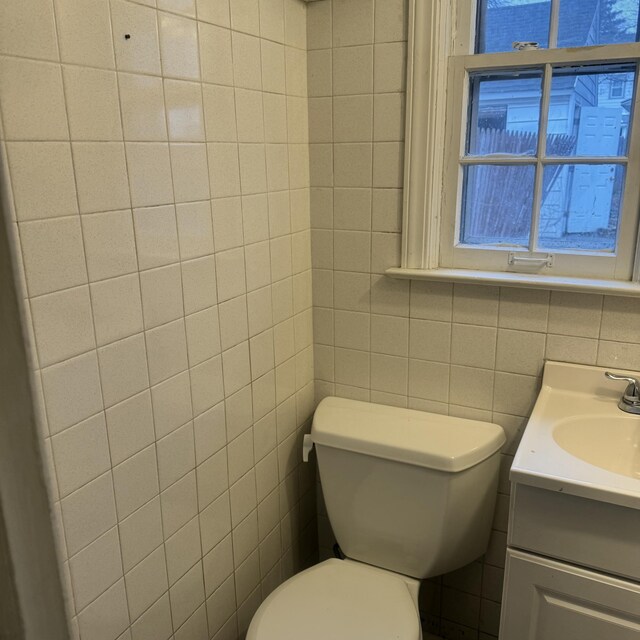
(563, 160)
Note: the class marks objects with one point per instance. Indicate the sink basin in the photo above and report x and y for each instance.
(610, 443)
(578, 441)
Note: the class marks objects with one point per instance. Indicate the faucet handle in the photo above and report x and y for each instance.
(633, 390)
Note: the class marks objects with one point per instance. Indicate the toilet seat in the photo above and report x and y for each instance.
(338, 600)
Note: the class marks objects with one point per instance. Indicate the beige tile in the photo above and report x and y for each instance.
(183, 550)
(520, 352)
(141, 52)
(63, 325)
(123, 369)
(272, 19)
(175, 455)
(72, 391)
(247, 71)
(388, 118)
(352, 22)
(575, 314)
(206, 385)
(155, 622)
(194, 229)
(184, 7)
(81, 454)
(215, 54)
(156, 236)
(319, 68)
(107, 616)
(275, 117)
(84, 32)
(472, 387)
(179, 47)
(353, 164)
(230, 271)
(135, 481)
(388, 159)
(130, 427)
(32, 100)
(149, 173)
(475, 305)
(431, 300)
(389, 67)
(236, 367)
(143, 108)
(101, 176)
(352, 367)
(109, 244)
(166, 351)
(213, 478)
(620, 320)
(185, 118)
(430, 340)
(172, 404)
(352, 251)
(295, 24)
(253, 173)
(273, 67)
(210, 432)
(473, 346)
(96, 568)
(352, 118)
(199, 284)
(140, 533)
(515, 394)
(161, 295)
(53, 254)
(390, 21)
(214, 11)
(352, 330)
(227, 223)
(249, 115)
(618, 355)
(146, 582)
(389, 296)
(429, 380)
(260, 310)
(390, 335)
(352, 209)
(389, 373)
(215, 522)
(88, 513)
(245, 16)
(219, 113)
(526, 309)
(224, 173)
(92, 104)
(42, 179)
(28, 29)
(255, 218)
(179, 504)
(571, 349)
(352, 70)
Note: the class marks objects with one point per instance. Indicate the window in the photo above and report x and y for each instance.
(539, 175)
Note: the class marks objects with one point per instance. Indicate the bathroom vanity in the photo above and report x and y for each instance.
(573, 557)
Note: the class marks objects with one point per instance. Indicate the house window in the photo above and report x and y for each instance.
(540, 173)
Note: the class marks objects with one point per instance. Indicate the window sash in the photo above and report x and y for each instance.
(576, 263)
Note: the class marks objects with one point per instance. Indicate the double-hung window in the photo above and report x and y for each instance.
(523, 143)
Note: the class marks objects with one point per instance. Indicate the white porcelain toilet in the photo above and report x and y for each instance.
(409, 495)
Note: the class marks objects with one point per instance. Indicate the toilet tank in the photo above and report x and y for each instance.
(408, 491)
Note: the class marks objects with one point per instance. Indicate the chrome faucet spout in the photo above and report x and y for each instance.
(630, 401)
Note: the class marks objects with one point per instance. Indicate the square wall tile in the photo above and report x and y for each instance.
(109, 244)
(107, 616)
(63, 325)
(214, 11)
(215, 54)
(190, 172)
(143, 108)
(352, 70)
(32, 100)
(149, 173)
(28, 29)
(172, 404)
(135, 481)
(141, 52)
(101, 176)
(84, 32)
(72, 391)
(185, 117)
(156, 236)
(42, 179)
(195, 231)
(219, 113)
(179, 47)
(352, 22)
(161, 295)
(53, 254)
(81, 454)
(166, 351)
(92, 104)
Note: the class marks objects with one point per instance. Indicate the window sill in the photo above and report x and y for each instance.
(528, 281)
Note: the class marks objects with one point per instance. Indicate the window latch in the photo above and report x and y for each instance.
(530, 261)
(525, 46)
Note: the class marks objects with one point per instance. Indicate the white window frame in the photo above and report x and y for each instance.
(440, 56)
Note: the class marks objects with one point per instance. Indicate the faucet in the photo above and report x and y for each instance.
(630, 401)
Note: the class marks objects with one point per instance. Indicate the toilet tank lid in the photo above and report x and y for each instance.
(423, 439)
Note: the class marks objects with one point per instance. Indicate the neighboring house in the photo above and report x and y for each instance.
(588, 116)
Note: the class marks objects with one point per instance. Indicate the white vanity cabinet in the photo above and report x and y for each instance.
(573, 568)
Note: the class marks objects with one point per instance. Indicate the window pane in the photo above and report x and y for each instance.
(589, 110)
(591, 22)
(581, 206)
(503, 22)
(505, 113)
(497, 205)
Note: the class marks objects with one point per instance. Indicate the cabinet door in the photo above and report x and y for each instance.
(548, 600)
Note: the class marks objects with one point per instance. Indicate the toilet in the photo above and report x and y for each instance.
(410, 495)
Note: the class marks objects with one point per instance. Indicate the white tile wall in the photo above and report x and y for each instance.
(465, 350)
(149, 211)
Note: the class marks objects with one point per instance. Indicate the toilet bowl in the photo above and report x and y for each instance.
(409, 495)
